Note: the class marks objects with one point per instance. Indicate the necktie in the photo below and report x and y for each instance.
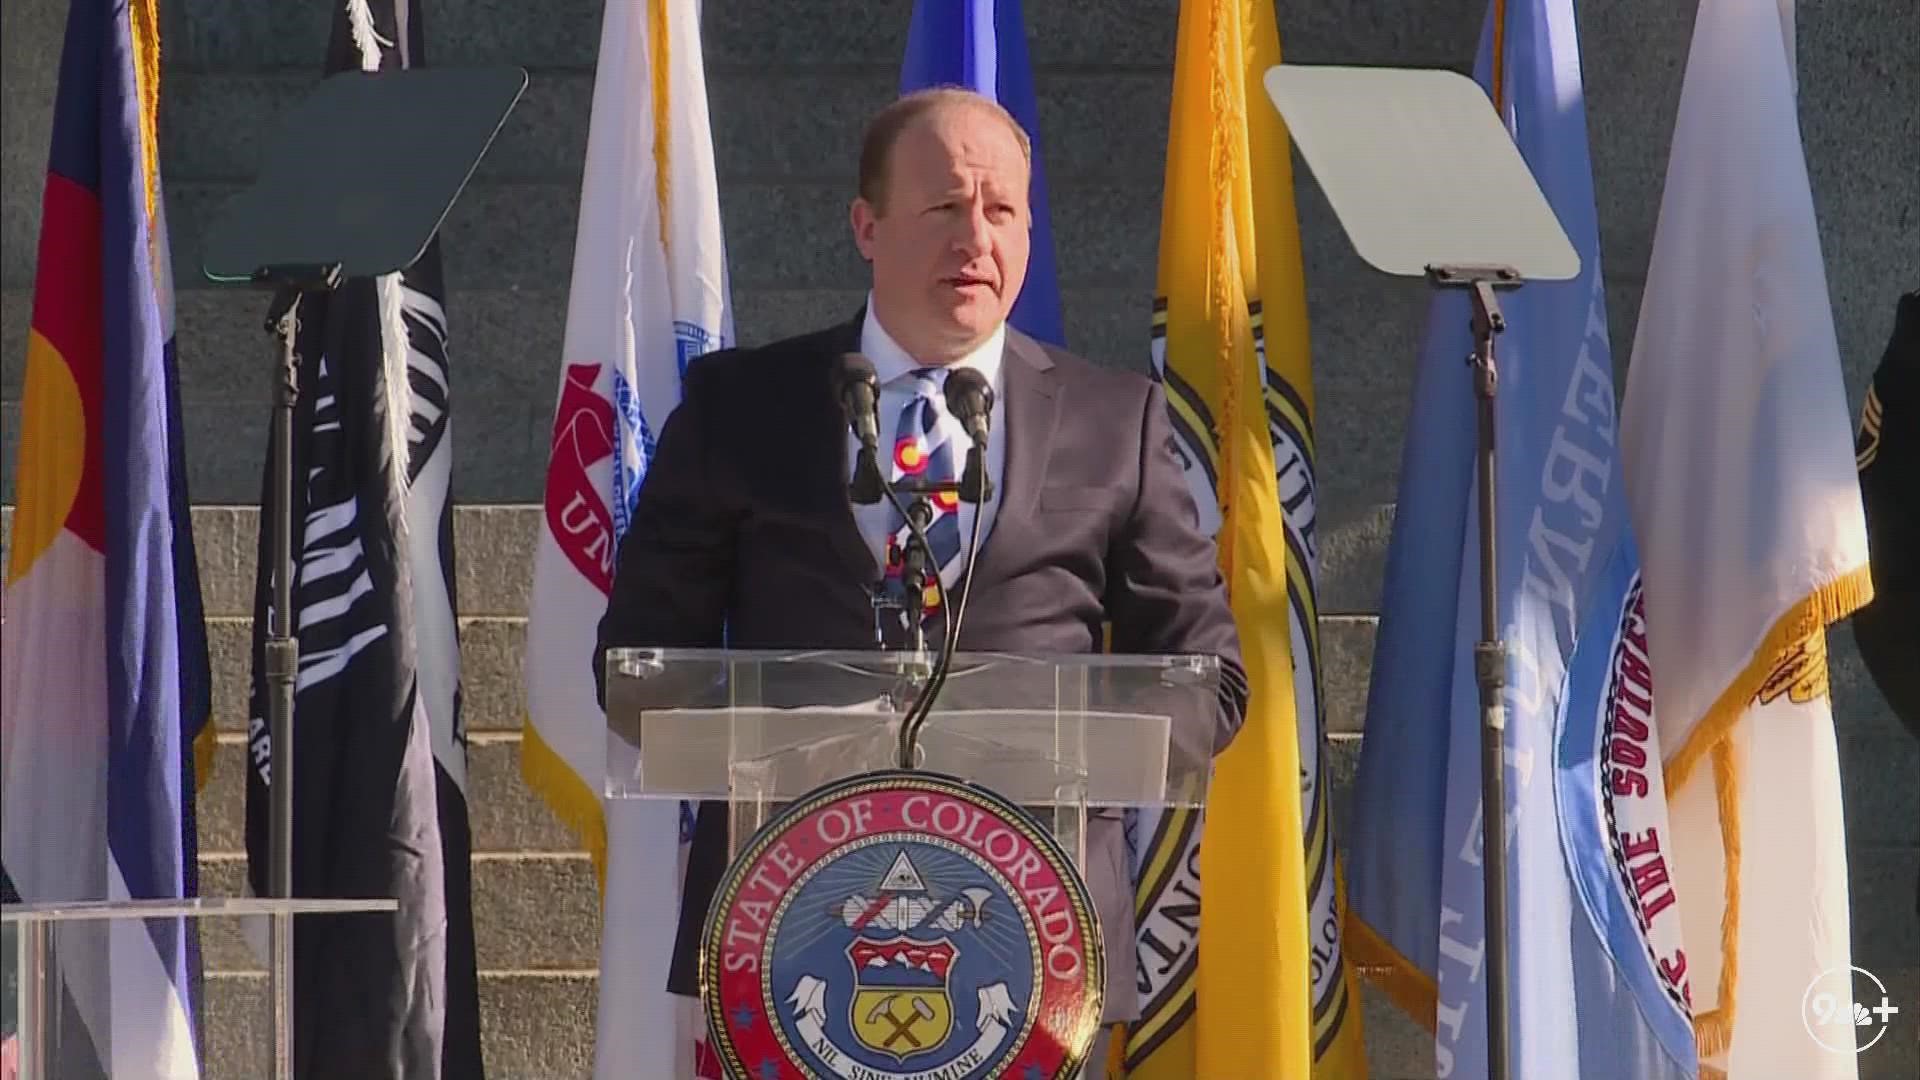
(923, 451)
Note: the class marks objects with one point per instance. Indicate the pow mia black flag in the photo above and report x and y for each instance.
(380, 761)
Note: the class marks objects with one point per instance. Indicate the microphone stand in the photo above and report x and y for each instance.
(867, 485)
(976, 488)
(915, 564)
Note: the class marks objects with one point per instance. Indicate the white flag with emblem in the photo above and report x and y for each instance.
(1740, 473)
(649, 292)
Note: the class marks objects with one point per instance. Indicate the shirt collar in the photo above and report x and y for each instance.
(891, 362)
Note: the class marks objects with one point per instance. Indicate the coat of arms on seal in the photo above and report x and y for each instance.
(902, 926)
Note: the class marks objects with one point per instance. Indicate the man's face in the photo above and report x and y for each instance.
(949, 243)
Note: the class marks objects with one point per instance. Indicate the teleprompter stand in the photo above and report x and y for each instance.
(1427, 183)
(355, 183)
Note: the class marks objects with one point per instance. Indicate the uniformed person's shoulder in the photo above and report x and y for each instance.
(1887, 440)
(1887, 451)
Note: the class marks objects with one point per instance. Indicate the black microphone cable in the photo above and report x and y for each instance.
(977, 396)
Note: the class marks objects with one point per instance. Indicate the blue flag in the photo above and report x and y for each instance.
(982, 45)
(1598, 981)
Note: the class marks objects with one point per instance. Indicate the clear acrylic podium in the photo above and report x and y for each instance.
(88, 990)
(1063, 735)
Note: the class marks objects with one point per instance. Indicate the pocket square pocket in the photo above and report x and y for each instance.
(1077, 498)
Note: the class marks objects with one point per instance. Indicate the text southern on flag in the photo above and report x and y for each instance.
(1597, 974)
(1741, 474)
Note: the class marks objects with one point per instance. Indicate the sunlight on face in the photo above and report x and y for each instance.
(949, 242)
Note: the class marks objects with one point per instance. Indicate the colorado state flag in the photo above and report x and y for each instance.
(103, 666)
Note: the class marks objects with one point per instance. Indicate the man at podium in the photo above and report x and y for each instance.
(744, 529)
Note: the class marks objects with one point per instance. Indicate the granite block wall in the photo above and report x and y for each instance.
(790, 86)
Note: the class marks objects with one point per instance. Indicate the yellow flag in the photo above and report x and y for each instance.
(1271, 992)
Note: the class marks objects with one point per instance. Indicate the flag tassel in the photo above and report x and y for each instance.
(365, 37)
(1713, 1031)
(1826, 605)
(397, 385)
(1784, 644)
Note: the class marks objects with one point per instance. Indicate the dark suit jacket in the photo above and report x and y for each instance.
(744, 521)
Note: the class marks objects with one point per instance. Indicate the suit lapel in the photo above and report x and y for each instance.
(1033, 411)
(844, 528)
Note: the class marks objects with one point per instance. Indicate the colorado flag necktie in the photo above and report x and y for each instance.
(923, 451)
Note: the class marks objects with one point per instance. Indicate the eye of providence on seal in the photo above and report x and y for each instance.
(902, 926)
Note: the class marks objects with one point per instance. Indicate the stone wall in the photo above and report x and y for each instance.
(790, 85)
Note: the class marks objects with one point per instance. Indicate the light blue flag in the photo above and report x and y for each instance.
(982, 45)
(1598, 984)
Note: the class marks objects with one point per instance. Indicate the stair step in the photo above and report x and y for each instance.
(532, 1025)
(494, 545)
(530, 913)
(505, 815)
(492, 698)
(537, 909)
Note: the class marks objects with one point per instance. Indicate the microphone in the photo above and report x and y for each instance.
(859, 393)
(970, 400)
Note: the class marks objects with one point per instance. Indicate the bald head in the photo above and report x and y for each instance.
(886, 128)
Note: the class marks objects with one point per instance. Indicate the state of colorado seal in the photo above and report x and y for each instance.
(902, 926)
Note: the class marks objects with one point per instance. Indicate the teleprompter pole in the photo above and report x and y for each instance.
(1490, 651)
(281, 649)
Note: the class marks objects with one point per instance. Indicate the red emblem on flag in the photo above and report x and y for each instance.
(577, 513)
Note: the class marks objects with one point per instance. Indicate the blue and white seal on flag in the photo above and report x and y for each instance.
(692, 339)
(1610, 791)
(632, 450)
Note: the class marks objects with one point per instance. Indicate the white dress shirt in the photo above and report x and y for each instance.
(893, 368)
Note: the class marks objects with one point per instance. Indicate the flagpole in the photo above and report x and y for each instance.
(1490, 652)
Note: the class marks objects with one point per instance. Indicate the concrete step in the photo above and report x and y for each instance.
(533, 1025)
(530, 913)
(505, 815)
(533, 888)
(540, 1024)
(490, 651)
(535, 904)
(541, 1017)
(495, 545)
